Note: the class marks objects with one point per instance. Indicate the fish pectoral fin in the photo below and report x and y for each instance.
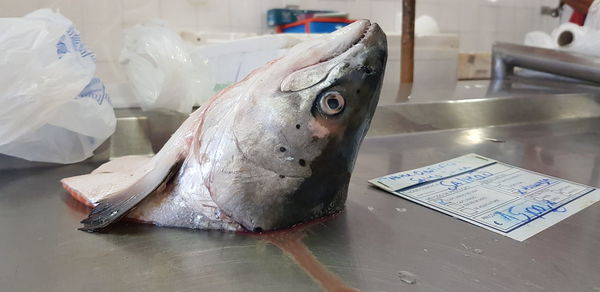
(117, 205)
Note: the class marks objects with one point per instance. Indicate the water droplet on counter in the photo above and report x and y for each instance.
(494, 140)
(290, 242)
(471, 249)
(538, 287)
(407, 277)
(425, 250)
(401, 210)
(370, 208)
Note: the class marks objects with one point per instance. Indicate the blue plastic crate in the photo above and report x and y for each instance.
(315, 25)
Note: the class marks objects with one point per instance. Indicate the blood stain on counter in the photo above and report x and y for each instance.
(290, 242)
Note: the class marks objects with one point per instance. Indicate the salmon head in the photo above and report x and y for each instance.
(297, 129)
(271, 151)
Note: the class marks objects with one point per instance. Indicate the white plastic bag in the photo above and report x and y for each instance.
(160, 70)
(52, 109)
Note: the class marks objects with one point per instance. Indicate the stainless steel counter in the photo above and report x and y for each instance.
(367, 246)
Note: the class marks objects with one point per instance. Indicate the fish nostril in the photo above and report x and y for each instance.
(282, 149)
(302, 162)
(257, 229)
(297, 126)
(281, 176)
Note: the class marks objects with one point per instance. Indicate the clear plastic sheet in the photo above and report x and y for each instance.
(161, 71)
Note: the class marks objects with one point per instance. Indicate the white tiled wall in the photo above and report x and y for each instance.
(477, 22)
(481, 22)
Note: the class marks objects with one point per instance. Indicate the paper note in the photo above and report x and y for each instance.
(505, 199)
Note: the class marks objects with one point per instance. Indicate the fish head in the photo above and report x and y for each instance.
(300, 125)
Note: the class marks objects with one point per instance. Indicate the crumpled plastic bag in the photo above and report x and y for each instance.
(160, 70)
(52, 109)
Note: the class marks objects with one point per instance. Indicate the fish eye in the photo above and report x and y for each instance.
(331, 103)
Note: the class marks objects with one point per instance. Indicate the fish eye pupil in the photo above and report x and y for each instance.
(333, 103)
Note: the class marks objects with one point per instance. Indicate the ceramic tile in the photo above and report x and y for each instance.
(139, 11)
(179, 12)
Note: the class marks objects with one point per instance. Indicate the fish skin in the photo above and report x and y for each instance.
(263, 154)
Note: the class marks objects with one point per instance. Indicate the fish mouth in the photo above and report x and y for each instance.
(366, 33)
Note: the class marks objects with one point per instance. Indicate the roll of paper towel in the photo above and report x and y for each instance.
(592, 19)
(575, 38)
(539, 39)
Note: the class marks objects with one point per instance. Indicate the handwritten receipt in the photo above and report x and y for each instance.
(505, 199)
